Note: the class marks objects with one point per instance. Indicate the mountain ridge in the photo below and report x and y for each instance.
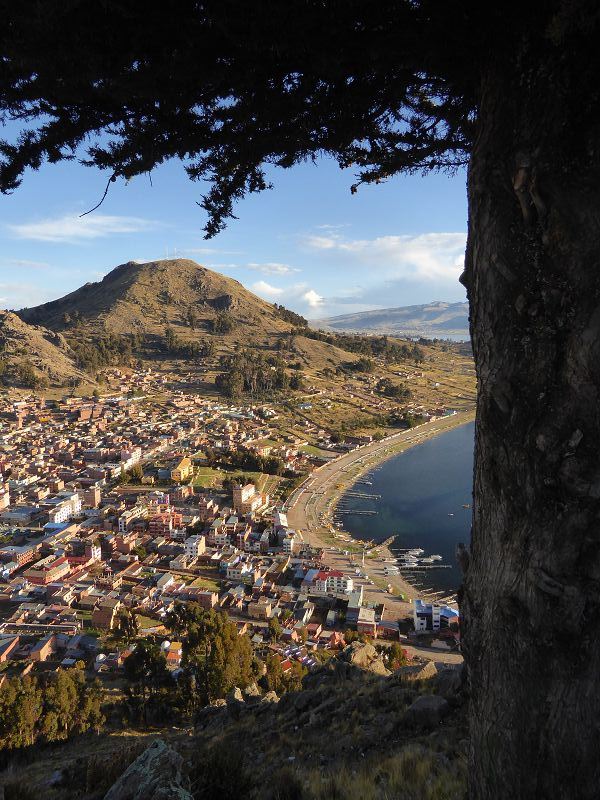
(437, 319)
(145, 297)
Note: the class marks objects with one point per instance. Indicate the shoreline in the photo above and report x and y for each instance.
(317, 497)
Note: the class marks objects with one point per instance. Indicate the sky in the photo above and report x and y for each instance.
(308, 243)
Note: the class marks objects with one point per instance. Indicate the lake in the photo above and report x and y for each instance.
(423, 491)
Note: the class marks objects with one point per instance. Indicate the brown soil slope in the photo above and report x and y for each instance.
(145, 298)
(45, 352)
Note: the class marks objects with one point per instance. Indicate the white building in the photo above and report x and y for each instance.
(432, 617)
(194, 546)
(63, 506)
(333, 582)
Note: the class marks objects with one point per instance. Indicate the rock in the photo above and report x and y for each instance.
(206, 714)
(365, 656)
(426, 712)
(235, 702)
(57, 778)
(305, 699)
(449, 682)
(417, 672)
(219, 703)
(270, 697)
(155, 775)
(252, 691)
(235, 696)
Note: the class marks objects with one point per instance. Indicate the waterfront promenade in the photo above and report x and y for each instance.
(309, 510)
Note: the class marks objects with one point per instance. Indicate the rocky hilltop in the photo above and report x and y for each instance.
(32, 356)
(145, 298)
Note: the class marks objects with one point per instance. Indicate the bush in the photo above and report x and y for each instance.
(221, 773)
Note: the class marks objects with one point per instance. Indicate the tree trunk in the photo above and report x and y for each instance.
(531, 596)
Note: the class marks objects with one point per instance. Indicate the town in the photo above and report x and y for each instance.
(109, 507)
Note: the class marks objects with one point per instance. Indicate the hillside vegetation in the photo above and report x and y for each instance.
(348, 733)
(34, 357)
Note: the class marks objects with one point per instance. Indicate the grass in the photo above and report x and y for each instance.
(147, 622)
(205, 583)
(208, 478)
(311, 450)
(412, 774)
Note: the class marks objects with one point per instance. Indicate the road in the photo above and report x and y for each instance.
(306, 505)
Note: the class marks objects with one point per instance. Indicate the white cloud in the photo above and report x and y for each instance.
(313, 299)
(272, 268)
(427, 256)
(23, 263)
(74, 229)
(322, 242)
(265, 289)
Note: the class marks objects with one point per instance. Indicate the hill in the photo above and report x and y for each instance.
(34, 357)
(433, 320)
(347, 733)
(146, 298)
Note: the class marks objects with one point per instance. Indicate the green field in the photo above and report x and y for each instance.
(205, 583)
(208, 478)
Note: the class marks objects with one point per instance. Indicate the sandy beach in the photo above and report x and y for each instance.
(310, 507)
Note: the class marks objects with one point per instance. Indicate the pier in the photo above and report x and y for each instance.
(350, 511)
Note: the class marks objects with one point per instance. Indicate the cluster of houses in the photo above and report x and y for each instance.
(78, 550)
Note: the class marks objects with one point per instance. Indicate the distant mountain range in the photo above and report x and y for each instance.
(434, 320)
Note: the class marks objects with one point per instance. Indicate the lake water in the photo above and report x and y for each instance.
(420, 489)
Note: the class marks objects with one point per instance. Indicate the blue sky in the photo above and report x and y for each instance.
(308, 243)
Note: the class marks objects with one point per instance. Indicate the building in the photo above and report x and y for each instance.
(290, 542)
(366, 621)
(45, 648)
(106, 614)
(432, 617)
(63, 506)
(332, 582)
(194, 546)
(127, 518)
(246, 500)
(48, 570)
(182, 471)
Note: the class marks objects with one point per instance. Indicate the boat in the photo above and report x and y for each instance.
(450, 514)
(466, 505)
(436, 557)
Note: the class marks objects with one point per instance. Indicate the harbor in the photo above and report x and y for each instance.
(426, 495)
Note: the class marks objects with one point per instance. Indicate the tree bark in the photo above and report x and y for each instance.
(531, 595)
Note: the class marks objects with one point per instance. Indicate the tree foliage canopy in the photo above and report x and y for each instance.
(228, 88)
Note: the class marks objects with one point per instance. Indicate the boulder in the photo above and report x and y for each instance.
(251, 690)
(305, 699)
(235, 702)
(235, 696)
(270, 697)
(155, 775)
(416, 672)
(449, 682)
(365, 656)
(426, 712)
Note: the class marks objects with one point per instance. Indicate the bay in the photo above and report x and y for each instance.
(423, 494)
